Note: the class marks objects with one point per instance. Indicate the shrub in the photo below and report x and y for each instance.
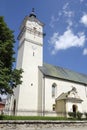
(1, 117)
(85, 114)
(79, 115)
(72, 114)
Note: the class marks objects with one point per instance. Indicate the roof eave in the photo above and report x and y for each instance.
(85, 84)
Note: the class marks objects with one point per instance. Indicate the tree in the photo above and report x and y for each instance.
(9, 77)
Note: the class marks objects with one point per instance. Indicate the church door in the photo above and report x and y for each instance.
(74, 107)
(14, 107)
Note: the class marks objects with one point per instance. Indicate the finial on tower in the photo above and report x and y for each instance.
(33, 10)
(32, 13)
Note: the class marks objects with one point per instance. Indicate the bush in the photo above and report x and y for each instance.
(85, 114)
(79, 115)
(72, 114)
(1, 117)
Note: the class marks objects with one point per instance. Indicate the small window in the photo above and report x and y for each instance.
(31, 84)
(33, 53)
(54, 89)
(54, 107)
(34, 28)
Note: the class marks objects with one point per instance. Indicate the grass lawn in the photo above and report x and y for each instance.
(6, 117)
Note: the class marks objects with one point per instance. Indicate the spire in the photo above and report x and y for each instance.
(32, 13)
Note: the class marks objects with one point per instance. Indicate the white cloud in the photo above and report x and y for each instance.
(53, 20)
(65, 6)
(67, 40)
(70, 23)
(84, 19)
(85, 51)
(67, 12)
(60, 13)
(81, 0)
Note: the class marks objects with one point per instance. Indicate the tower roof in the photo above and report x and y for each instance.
(32, 13)
(31, 17)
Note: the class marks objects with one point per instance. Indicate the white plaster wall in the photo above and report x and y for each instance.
(30, 56)
(20, 57)
(70, 104)
(29, 88)
(63, 86)
(39, 90)
(40, 93)
(32, 24)
(18, 66)
(34, 35)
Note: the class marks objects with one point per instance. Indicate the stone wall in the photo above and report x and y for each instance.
(35, 125)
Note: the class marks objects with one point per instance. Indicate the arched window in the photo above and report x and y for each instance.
(54, 86)
(53, 107)
(14, 106)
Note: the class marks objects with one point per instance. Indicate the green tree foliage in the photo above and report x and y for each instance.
(9, 77)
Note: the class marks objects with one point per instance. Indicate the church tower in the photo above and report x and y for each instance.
(30, 56)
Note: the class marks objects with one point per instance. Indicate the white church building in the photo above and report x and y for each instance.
(46, 90)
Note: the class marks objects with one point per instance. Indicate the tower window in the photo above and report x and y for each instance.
(31, 84)
(54, 86)
(33, 53)
(34, 28)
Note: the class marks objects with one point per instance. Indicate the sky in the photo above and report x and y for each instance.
(65, 43)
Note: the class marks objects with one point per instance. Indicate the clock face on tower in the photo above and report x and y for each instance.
(34, 25)
(35, 29)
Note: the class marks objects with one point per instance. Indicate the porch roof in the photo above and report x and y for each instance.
(64, 96)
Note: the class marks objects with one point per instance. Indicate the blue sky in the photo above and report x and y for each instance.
(65, 43)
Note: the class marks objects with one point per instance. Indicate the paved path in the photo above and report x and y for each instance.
(66, 128)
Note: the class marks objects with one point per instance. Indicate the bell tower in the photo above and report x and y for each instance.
(30, 56)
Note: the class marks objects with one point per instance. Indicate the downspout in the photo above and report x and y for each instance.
(65, 108)
(44, 95)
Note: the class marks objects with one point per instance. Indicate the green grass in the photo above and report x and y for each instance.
(5, 117)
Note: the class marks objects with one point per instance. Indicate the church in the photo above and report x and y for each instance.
(46, 90)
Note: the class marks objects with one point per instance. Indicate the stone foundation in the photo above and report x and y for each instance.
(38, 125)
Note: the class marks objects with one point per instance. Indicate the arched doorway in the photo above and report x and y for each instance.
(14, 106)
(74, 107)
